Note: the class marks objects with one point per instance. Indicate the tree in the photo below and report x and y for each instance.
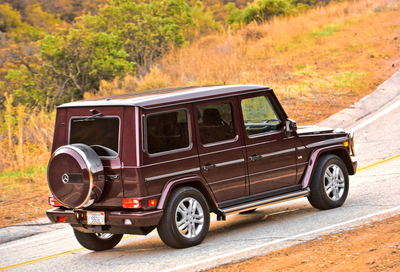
(19, 53)
(148, 30)
(44, 59)
(123, 36)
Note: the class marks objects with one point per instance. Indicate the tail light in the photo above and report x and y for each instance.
(152, 202)
(53, 202)
(131, 203)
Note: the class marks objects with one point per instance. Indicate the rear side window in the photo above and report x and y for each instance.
(101, 134)
(215, 123)
(167, 131)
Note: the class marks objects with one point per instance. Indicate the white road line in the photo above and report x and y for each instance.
(375, 117)
(37, 239)
(281, 240)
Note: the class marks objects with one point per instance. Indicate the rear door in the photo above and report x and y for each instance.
(221, 149)
(271, 155)
(169, 149)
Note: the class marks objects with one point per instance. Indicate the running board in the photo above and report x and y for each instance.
(261, 203)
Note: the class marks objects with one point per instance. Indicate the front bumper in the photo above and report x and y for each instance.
(112, 218)
(354, 163)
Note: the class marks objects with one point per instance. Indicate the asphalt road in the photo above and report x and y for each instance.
(374, 194)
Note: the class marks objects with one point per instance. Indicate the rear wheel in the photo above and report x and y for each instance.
(186, 218)
(329, 184)
(97, 241)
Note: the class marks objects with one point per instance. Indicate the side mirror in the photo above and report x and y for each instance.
(291, 127)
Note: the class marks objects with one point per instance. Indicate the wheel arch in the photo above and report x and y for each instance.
(338, 150)
(191, 181)
(345, 157)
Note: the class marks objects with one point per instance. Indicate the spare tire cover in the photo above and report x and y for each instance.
(72, 173)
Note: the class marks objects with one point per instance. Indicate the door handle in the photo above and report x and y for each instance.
(255, 157)
(110, 177)
(208, 167)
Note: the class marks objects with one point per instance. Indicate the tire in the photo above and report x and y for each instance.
(180, 202)
(325, 193)
(249, 211)
(97, 241)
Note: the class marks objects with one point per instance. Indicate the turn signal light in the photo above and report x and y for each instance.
(131, 203)
(346, 144)
(53, 201)
(152, 202)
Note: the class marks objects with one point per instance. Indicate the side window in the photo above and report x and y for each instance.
(215, 123)
(259, 116)
(167, 131)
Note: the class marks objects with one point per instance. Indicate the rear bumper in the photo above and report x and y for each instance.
(112, 218)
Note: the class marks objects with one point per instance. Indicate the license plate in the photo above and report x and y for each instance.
(95, 218)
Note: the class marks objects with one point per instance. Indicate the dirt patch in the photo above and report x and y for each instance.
(23, 199)
(372, 247)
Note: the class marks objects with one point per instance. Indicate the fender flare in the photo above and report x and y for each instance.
(351, 166)
(196, 180)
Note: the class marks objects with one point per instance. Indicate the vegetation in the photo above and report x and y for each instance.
(264, 10)
(49, 61)
(54, 53)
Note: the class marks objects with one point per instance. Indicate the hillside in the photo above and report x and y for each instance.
(318, 63)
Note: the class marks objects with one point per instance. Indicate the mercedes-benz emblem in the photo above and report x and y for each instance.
(65, 178)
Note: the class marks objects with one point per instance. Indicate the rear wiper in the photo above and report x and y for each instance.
(89, 118)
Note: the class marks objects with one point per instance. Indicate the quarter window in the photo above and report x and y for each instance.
(215, 123)
(260, 116)
(167, 131)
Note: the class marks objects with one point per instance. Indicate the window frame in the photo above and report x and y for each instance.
(236, 133)
(102, 117)
(274, 108)
(145, 134)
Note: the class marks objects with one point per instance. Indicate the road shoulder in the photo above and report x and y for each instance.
(371, 247)
(367, 106)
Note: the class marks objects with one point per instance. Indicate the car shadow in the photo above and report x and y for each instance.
(141, 246)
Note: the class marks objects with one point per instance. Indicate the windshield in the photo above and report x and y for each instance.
(101, 134)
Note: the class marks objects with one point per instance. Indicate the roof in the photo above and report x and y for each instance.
(168, 96)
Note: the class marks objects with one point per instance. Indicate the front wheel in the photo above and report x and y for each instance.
(330, 183)
(97, 241)
(186, 218)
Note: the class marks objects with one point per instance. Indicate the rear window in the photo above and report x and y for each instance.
(101, 134)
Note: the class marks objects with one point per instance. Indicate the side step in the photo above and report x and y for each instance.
(261, 203)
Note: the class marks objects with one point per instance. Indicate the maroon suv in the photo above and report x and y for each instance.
(166, 158)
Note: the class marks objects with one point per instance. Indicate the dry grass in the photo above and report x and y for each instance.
(322, 58)
(26, 139)
(25, 147)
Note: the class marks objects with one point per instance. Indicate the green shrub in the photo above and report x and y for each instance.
(264, 10)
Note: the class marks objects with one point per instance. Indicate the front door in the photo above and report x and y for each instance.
(221, 149)
(271, 155)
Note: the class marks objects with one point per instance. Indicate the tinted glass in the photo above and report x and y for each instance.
(259, 116)
(102, 134)
(215, 123)
(167, 131)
